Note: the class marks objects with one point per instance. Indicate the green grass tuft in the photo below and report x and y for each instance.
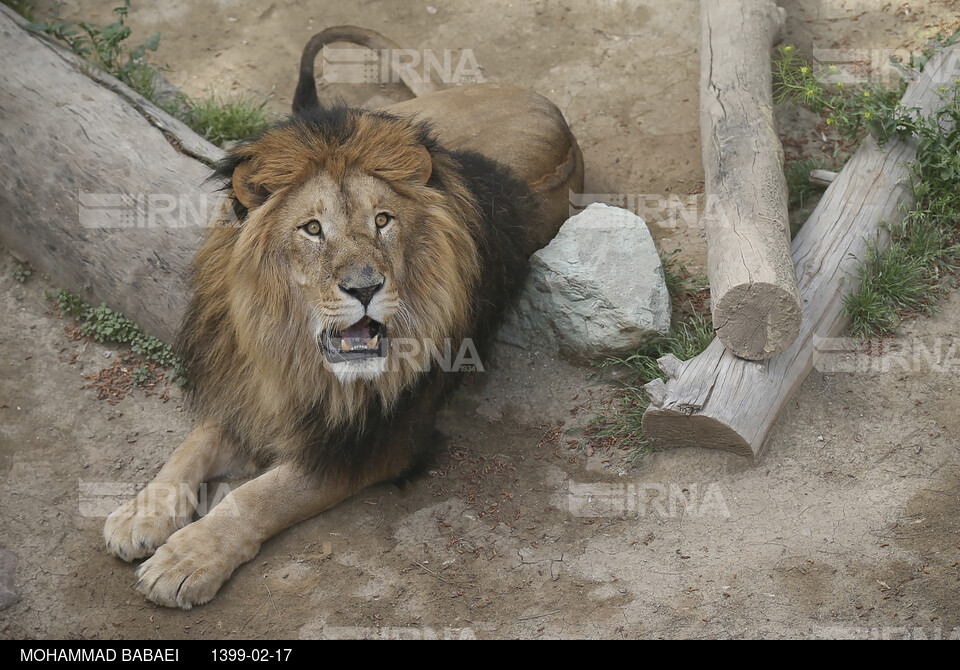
(799, 187)
(688, 338)
(106, 48)
(220, 121)
(22, 272)
(923, 253)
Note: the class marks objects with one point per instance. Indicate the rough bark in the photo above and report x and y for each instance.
(755, 302)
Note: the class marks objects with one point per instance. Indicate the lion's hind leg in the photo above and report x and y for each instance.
(136, 528)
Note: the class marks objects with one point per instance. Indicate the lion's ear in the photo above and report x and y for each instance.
(249, 195)
(426, 164)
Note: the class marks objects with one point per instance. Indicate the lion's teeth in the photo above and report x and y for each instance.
(344, 346)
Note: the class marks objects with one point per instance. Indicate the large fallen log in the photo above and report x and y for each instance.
(107, 193)
(83, 165)
(754, 296)
(717, 400)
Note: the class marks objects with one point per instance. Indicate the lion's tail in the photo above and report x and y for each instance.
(305, 96)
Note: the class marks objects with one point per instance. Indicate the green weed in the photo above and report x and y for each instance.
(923, 253)
(215, 119)
(220, 121)
(106, 325)
(104, 47)
(22, 7)
(22, 272)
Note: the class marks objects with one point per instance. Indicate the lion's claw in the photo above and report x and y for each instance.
(192, 566)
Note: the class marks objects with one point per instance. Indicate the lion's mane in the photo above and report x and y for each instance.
(251, 356)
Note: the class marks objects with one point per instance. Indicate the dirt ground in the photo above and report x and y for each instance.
(847, 526)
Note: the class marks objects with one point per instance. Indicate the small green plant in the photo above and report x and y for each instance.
(106, 325)
(678, 279)
(851, 110)
(22, 7)
(923, 254)
(22, 272)
(924, 247)
(216, 119)
(141, 375)
(801, 190)
(104, 47)
(688, 338)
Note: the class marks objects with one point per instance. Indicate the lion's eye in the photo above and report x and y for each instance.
(383, 220)
(312, 227)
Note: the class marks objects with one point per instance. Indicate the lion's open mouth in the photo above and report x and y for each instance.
(364, 339)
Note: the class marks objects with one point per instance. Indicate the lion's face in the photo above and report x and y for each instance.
(354, 258)
(346, 244)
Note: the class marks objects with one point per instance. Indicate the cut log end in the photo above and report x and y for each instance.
(669, 429)
(757, 321)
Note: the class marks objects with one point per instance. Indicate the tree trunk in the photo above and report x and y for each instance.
(754, 296)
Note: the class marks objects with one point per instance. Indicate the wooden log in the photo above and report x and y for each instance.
(719, 401)
(822, 177)
(83, 166)
(754, 296)
(108, 194)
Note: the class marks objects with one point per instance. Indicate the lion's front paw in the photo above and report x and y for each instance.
(136, 528)
(192, 566)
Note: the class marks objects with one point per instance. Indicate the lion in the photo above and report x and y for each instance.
(356, 253)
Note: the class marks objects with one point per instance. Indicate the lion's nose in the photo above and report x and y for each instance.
(365, 294)
(364, 286)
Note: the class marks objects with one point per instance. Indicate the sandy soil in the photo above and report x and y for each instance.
(847, 525)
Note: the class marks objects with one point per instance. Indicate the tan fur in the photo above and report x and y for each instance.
(271, 365)
(261, 287)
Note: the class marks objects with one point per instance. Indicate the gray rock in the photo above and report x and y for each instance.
(596, 290)
(8, 572)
